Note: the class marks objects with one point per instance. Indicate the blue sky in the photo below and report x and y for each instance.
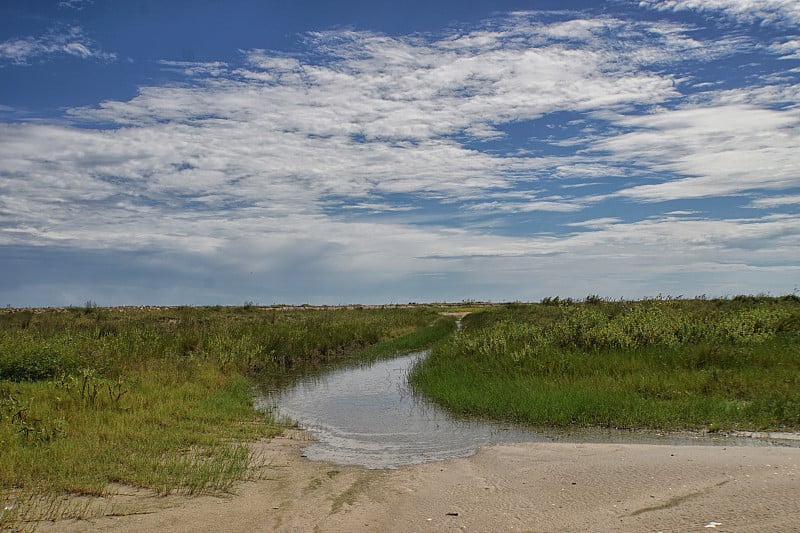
(316, 152)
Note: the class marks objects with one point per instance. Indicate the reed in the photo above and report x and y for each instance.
(668, 364)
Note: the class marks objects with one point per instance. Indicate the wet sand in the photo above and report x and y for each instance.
(512, 487)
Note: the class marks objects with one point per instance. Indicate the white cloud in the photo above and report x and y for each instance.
(374, 121)
(789, 49)
(775, 201)
(195, 68)
(762, 11)
(596, 223)
(379, 207)
(75, 4)
(721, 150)
(527, 207)
(70, 41)
(701, 237)
(777, 95)
(682, 213)
(332, 160)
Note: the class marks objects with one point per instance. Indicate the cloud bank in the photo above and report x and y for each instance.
(532, 155)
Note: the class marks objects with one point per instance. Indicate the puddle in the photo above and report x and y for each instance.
(368, 416)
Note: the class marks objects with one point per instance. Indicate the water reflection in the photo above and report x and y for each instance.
(368, 416)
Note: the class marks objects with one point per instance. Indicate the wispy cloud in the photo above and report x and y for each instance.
(375, 116)
(776, 201)
(75, 4)
(761, 11)
(196, 68)
(61, 41)
(374, 156)
(789, 49)
(720, 150)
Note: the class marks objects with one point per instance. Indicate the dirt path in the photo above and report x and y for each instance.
(525, 487)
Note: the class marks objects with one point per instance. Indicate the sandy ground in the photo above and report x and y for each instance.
(524, 487)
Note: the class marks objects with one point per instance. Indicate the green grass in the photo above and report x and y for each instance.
(163, 434)
(667, 364)
(416, 340)
(160, 398)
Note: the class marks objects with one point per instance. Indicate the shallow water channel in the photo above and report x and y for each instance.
(367, 415)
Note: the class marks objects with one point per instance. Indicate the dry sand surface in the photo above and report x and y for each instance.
(520, 487)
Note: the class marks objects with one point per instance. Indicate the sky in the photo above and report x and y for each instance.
(201, 152)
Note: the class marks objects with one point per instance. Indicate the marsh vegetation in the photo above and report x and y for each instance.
(159, 398)
(722, 364)
(162, 398)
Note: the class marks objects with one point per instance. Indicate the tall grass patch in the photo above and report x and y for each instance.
(723, 364)
(155, 398)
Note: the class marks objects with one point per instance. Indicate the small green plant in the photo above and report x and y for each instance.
(89, 388)
(29, 428)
